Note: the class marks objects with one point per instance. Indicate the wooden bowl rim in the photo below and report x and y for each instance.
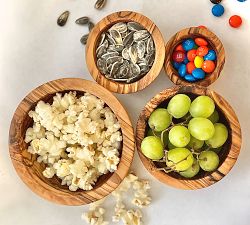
(213, 40)
(104, 24)
(222, 170)
(51, 193)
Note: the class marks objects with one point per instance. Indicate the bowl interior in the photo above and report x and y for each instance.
(30, 159)
(223, 152)
(211, 45)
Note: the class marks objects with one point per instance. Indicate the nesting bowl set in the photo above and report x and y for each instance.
(30, 170)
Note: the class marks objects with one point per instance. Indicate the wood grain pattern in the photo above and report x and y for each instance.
(228, 155)
(30, 171)
(194, 32)
(106, 23)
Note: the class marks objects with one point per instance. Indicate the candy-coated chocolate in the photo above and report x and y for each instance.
(198, 73)
(208, 66)
(200, 41)
(178, 56)
(188, 44)
(211, 55)
(176, 65)
(190, 67)
(186, 61)
(202, 51)
(179, 48)
(241, 0)
(189, 78)
(235, 21)
(218, 10)
(215, 1)
(198, 61)
(182, 70)
(191, 55)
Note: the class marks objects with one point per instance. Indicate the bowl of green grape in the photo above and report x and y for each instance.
(188, 137)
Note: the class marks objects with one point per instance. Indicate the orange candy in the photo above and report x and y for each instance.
(191, 55)
(179, 48)
(190, 67)
(200, 42)
(208, 66)
(202, 51)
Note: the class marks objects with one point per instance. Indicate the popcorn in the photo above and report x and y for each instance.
(77, 138)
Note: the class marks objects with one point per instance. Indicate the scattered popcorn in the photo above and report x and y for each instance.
(77, 138)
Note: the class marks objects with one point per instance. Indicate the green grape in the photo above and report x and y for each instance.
(208, 161)
(158, 134)
(192, 171)
(202, 106)
(195, 143)
(179, 105)
(152, 147)
(179, 159)
(201, 128)
(220, 136)
(214, 118)
(179, 136)
(159, 120)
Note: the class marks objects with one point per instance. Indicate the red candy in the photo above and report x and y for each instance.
(190, 67)
(178, 56)
(208, 66)
(179, 48)
(202, 51)
(201, 42)
(235, 21)
(191, 55)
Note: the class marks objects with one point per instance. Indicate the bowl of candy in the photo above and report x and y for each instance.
(188, 137)
(125, 52)
(194, 55)
(71, 141)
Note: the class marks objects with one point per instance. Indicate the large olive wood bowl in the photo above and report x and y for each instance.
(30, 171)
(105, 24)
(228, 154)
(193, 32)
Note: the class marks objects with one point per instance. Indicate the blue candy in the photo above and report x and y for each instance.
(241, 0)
(189, 78)
(198, 73)
(176, 65)
(182, 70)
(186, 61)
(188, 44)
(218, 10)
(211, 55)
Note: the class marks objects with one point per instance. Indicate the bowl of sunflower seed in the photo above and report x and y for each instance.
(125, 52)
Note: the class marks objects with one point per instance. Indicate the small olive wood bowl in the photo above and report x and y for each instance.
(193, 32)
(30, 171)
(228, 154)
(105, 24)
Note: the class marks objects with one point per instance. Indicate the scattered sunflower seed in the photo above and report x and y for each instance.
(62, 19)
(100, 4)
(82, 20)
(90, 25)
(125, 52)
(84, 39)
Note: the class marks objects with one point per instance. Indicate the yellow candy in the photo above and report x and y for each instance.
(198, 61)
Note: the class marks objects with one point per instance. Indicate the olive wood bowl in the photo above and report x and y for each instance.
(105, 24)
(228, 154)
(194, 32)
(30, 171)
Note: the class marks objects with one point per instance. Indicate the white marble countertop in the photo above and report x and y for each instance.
(33, 50)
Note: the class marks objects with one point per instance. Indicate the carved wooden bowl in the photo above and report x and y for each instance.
(193, 32)
(228, 154)
(105, 24)
(30, 171)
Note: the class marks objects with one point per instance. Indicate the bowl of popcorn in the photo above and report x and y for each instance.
(71, 141)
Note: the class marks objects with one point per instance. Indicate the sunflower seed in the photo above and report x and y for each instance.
(62, 19)
(84, 39)
(100, 4)
(125, 52)
(90, 25)
(82, 20)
